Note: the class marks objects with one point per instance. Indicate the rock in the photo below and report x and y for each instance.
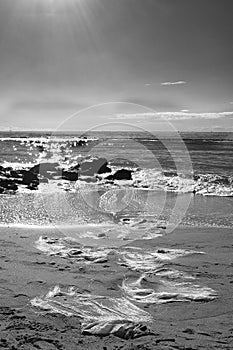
(48, 170)
(70, 175)
(91, 167)
(8, 184)
(161, 251)
(29, 177)
(16, 174)
(189, 331)
(44, 168)
(2, 169)
(170, 173)
(122, 174)
(101, 234)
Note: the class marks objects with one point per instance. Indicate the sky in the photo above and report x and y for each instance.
(164, 61)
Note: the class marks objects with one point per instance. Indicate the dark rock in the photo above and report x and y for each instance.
(161, 251)
(2, 169)
(223, 180)
(101, 234)
(39, 172)
(29, 178)
(82, 143)
(170, 173)
(70, 175)
(16, 174)
(48, 170)
(90, 167)
(122, 174)
(8, 184)
(189, 331)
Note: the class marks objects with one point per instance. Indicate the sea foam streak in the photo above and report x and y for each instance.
(166, 291)
(170, 285)
(150, 260)
(158, 283)
(68, 248)
(154, 265)
(100, 315)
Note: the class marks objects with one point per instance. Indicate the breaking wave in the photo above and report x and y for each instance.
(203, 184)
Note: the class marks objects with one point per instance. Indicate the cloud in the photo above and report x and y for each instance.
(172, 116)
(179, 82)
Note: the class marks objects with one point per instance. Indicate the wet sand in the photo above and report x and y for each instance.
(26, 273)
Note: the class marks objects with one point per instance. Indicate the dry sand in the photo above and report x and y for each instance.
(26, 273)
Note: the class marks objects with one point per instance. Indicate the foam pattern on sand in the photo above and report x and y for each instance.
(158, 283)
(151, 260)
(166, 291)
(168, 284)
(100, 315)
(68, 248)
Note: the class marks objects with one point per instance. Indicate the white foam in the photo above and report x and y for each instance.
(166, 291)
(68, 248)
(90, 307)
(204, 184)
(152, 260)
(100, 315)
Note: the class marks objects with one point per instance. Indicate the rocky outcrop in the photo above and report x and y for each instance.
(7, 184)
(93, 166)
(70, 175)
(48, 170)
(88, 169)
(122, 174)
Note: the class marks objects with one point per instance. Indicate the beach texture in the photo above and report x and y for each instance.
(28, 273)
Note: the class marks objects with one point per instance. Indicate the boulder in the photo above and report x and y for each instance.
(170, 173)
(29, 177)
(2, 170)
(8, 184)
(46, 169)
(16, 174)
(70, 175)
(122, 174)
(91, 167)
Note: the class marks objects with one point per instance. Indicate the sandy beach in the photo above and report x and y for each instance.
(27, 273)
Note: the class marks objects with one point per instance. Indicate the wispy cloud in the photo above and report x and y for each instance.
(171, 116)
(179, 82)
